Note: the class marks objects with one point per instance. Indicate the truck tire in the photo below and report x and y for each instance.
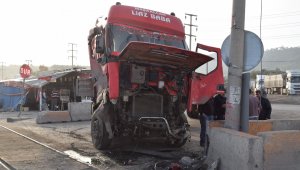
(100, 136)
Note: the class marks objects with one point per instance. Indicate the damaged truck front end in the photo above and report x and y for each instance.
(142, 79)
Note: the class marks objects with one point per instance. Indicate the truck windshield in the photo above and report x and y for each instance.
(119, 36)
(295, 79)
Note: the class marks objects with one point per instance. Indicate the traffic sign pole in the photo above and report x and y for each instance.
(23, 96)
(235, 70)
(25, 72)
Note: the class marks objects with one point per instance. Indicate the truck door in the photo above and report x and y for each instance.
(206, 79)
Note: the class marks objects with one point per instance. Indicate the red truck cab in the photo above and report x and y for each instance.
(143, 77)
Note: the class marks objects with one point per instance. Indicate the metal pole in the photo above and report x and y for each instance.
(261, 64)
(41, 99)
(235, 70)
(2, 70)
(23, 96)
(245, 102)
(72, 53)
(191, 33)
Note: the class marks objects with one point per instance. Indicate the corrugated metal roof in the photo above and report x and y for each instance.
(36, 83)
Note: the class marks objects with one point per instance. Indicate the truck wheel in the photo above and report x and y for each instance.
(100, 137)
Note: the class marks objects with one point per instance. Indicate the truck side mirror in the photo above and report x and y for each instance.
(100, 44)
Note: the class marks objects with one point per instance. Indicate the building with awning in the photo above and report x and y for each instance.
(12, 94)
(15, 93)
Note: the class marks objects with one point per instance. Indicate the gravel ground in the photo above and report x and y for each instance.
(76, 136)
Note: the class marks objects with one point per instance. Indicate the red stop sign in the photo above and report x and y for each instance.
(25, 71)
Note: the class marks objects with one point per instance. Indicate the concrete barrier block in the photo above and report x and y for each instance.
(53, 117)
(254, 125)
(281, 149)
(235, 149)
(80, 111)
(259, 126)
(286, 125)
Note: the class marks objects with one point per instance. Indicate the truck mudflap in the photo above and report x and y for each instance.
(180, 133)
(163, 56)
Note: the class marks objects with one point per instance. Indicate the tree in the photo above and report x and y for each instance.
(43, 68)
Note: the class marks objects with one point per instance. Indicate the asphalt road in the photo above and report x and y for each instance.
(285, 107)
(285, 111)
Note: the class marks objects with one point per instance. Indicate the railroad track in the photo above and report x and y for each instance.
(18, 151)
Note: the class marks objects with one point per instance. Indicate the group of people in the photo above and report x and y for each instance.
(259, 106)
(54, 99)
(215, 108)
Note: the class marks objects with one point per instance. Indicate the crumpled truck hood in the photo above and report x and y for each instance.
(162, 56)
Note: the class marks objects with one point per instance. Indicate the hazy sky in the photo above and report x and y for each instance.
(40, 30)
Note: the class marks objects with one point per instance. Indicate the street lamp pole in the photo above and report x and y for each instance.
(261, 65)
(2, 69)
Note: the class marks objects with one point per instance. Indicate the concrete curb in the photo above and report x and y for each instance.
(53, 117)
(270, 144)
(80, 111)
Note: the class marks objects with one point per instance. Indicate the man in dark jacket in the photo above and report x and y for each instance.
(266, 108)
(54, 99)
(206, 114)
(220, 105)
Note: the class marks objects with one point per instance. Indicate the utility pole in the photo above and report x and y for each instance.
(28, 62)
(2, 69)
(235, 69)
(72, 51)
(261, 62)
(191, 25)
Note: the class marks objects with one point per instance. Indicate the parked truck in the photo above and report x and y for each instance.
(260, 82)
(145, 78)
(285, 83)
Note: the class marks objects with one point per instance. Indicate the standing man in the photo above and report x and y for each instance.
(44, 101)
(54, 99)
(220, 105)
(266, 108)
(206, 114)
(254, 106)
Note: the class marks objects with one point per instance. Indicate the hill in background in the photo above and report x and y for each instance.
(12, 71)
(282, 58)
(279, 59)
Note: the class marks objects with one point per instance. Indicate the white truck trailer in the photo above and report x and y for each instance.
(260, 82)
(286, 83)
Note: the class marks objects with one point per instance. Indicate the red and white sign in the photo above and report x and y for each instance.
(25, 71)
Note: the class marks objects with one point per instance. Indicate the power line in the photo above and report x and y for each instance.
(282, 36)
(277, 15)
